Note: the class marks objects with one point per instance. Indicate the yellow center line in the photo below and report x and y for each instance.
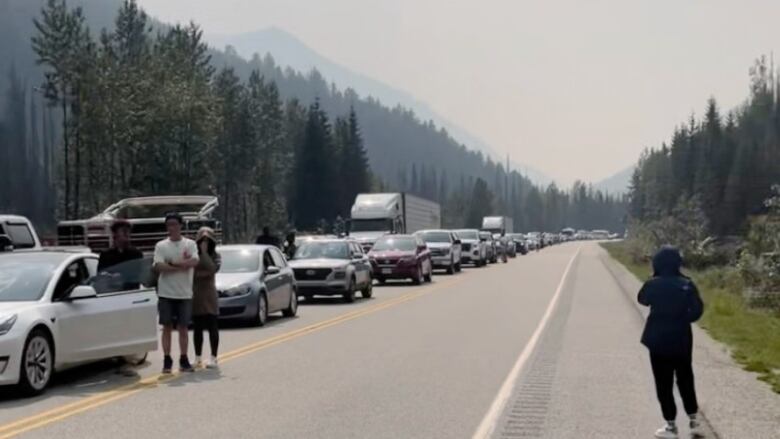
(67, 410)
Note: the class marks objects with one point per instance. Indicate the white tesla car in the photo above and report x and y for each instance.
(56, 313)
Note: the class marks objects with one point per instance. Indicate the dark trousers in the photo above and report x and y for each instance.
(209, 323)
(665, 368)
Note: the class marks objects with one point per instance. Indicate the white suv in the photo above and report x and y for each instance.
(445, 249)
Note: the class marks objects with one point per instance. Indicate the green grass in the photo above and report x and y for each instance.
(753, 335)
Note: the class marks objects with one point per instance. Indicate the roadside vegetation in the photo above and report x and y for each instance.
(740, 288)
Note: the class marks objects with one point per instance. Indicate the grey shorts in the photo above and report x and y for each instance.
(174, 312)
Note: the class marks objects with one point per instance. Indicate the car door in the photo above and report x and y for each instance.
(274, 283)
(287, 276)
(103, 326)
(361, 264)
(455, 246)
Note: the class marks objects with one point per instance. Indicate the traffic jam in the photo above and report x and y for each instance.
(97, 293)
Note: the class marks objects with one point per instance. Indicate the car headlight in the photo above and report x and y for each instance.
(6, 324)
(241, 290)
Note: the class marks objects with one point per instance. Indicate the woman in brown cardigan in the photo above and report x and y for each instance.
(205, 310)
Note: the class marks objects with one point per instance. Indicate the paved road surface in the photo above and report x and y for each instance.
(413, 362)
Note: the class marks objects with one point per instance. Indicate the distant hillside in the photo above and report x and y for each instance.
(618, 183)
(396, 138)
(287, 50)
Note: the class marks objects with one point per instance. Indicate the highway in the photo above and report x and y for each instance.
(544, 346)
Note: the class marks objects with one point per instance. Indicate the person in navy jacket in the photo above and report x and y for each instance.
(675, 304)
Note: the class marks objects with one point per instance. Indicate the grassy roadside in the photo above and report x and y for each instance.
(753, 335)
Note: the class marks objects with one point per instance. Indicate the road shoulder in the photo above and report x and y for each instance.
(734, 402)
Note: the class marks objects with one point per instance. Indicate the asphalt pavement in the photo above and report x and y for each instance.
(412, 362)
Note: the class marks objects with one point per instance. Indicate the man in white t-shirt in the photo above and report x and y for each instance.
(174, 260)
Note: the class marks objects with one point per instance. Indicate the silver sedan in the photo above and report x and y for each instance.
(254, 281)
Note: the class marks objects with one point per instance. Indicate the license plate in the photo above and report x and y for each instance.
(387, 271)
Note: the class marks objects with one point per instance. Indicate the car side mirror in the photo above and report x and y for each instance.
(272, 270)
(82, 292)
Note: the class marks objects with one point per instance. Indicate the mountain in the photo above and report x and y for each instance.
(618, 183)
(287, 50)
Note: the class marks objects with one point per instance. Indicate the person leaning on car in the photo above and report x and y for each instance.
(116, 261)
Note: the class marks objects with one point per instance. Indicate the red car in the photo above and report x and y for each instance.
(401, 257)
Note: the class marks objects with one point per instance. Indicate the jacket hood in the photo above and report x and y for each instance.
(667, 262)
(206, 232)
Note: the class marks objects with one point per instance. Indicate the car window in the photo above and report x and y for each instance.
(92, 264)
(268, 260)
(278, 258)
(75, 274)
(20, 235)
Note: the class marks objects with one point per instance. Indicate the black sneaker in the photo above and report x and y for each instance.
(167, 364)
(184, 364)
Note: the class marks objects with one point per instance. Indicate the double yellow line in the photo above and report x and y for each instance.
(67, 410)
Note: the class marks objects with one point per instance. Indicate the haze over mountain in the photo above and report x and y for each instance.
(618, 183)
(288, 50)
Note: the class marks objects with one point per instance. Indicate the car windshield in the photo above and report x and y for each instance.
(25, 277)
(436, 237)
(239, 261)
(395, 244)
(156, 210)
(371, 225)
(468, 234)
(327, 250)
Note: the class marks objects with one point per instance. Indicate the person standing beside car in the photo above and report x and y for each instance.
(122, 261)
(675, 304)
(205, 306)
(289, 245)
(175, 259)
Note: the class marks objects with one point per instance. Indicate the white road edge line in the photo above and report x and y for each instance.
(489, 422)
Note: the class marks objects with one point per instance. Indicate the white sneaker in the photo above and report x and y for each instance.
(668, 431)
(213, 363)
(198, 362)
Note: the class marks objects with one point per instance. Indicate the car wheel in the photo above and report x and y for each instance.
(262, 311)
(349, 295)
(368, 290)
(292, 310)
(37, 363)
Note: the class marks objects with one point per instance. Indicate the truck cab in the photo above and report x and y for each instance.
(379, 214)
(20, 232)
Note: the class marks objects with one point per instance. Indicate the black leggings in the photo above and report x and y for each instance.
(665, 368)
(210, 323)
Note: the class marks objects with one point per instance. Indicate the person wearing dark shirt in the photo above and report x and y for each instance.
(289, 245)
(121, 264)
(267, 239)
(675, 304)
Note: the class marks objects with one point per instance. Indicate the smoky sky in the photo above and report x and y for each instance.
(576, 88)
